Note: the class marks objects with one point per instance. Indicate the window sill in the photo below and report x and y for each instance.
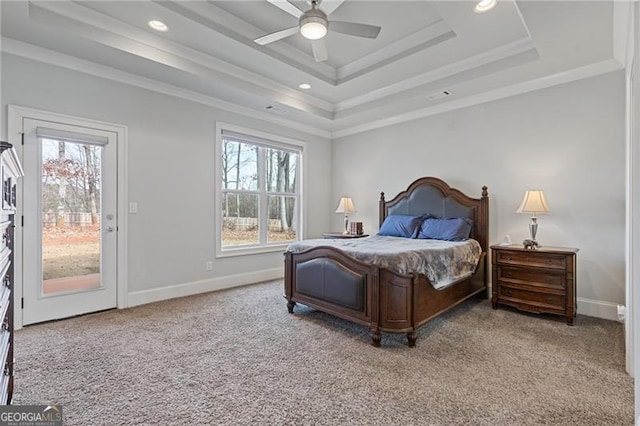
(247, 251)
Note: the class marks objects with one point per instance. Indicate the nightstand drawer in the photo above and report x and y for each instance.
(533, 277)
(532, 258)
(547, 300)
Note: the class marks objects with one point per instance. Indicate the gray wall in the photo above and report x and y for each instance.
(170, 168)
(567, 140)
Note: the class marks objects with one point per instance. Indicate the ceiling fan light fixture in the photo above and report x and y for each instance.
(313, 23)
(484, 6)
(313, 27)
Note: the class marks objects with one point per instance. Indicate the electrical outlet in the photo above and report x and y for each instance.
(209, 266)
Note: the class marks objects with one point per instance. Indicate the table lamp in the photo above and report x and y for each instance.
(534, 203)
(346, 206)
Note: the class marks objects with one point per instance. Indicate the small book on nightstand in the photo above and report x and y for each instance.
(355, 228)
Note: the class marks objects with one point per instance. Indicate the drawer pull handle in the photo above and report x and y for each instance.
(509, 292)
(508, 257)
(508, 275)
(549, 299)
(549, 261)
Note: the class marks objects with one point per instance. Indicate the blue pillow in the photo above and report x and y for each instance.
(397, 225)
(452, 229)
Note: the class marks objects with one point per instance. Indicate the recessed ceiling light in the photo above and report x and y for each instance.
(158, 26)
(305, 86)
(484, 5)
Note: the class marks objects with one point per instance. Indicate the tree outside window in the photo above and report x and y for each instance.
(260, 194)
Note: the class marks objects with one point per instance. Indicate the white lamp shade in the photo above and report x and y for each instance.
(346, 206)
(534, 202)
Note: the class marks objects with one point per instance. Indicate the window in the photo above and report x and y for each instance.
(258, 191)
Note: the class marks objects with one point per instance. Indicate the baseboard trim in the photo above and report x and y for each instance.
(203, 286)
(598, 309)
(588, 307)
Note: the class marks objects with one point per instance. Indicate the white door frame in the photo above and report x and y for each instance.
(633, 201)
(14, 128)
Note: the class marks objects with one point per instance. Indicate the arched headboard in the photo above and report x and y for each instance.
(434, 197)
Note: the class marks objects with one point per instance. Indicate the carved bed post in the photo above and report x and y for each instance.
(484, 237)
(411, 339)
(373, 296)
(412, 336)
(381, 213)
(483, 219)
(376, 336)
(288, 280)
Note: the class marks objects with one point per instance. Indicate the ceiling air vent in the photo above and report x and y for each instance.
(439, 95)
(276, 109)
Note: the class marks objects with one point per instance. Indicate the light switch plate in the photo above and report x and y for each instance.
(133, 207)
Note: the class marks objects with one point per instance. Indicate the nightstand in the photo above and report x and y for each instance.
(539, 281)
(341, 235)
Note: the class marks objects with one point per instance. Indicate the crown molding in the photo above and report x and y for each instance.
(563, 77)
(62, 60)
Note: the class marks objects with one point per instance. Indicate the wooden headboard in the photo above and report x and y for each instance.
(434, 197)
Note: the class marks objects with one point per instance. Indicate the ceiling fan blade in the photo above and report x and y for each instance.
(329, 6)
(319, 48)
(278, 35)
(355, 29)
(287, 7)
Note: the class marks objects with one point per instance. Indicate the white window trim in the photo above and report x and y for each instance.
(217, 194)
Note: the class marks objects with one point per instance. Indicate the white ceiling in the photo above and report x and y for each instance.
(424, 48)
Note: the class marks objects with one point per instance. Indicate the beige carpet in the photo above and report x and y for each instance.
(238, 357)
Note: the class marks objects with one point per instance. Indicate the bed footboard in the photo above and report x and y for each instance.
(325, 279)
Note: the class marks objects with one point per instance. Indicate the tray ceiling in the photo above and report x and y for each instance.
(424, 49)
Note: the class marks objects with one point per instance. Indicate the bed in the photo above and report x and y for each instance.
(331, 280)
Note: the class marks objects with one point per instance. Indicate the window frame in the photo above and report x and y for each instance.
(261, 139)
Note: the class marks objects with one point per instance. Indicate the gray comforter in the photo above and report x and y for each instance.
(443, 262)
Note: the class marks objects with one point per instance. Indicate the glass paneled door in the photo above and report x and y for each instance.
(70, 230)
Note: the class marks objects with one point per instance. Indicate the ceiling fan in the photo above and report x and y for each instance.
(314, 24)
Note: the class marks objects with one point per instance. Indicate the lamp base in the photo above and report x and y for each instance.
(531, 243)
(346, 225)
(533, 227)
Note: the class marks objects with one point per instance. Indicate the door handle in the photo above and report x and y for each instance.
(109, 229)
